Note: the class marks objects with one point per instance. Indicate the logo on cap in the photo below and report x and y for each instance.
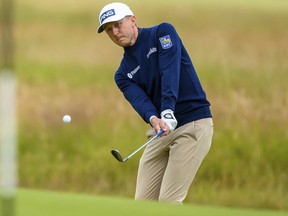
(107, 14)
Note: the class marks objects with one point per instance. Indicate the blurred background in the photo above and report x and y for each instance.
(240, 51)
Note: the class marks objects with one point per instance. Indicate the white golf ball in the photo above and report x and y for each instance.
(67, 119)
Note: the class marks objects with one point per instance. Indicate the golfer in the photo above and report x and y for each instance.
(157, 77)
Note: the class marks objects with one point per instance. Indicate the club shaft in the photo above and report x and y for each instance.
(145, 144)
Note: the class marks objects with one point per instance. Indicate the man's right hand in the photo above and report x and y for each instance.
(159, 124)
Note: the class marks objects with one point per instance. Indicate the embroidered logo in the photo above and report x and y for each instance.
(107, 14)
(152, 50)
(166, 42)
(132, 73)
(168, 116)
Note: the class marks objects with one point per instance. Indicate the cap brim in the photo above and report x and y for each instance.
(100, 28)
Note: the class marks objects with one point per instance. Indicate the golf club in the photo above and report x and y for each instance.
(118, 156)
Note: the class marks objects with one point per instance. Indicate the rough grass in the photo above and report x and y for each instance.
(240, 52)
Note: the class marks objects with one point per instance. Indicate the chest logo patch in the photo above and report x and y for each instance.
(166, 42)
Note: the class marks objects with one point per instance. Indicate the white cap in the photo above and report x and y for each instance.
(113, 12)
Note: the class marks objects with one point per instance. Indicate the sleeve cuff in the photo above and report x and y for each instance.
(151, 118)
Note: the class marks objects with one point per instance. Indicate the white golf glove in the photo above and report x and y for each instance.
(168, 117)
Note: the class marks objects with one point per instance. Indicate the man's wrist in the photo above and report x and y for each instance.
(165, 112)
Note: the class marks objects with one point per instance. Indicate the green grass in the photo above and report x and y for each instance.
(34, 203)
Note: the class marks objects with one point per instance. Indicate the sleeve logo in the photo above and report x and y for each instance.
(166, 42)
(132, 73)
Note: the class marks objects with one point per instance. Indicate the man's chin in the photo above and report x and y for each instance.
(123, 42)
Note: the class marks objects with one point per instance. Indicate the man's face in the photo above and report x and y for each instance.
(123, 32)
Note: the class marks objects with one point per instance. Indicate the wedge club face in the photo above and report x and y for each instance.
(117, 155)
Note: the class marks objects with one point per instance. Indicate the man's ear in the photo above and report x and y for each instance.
(133, 19)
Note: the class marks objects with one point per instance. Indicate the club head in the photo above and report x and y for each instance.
(117, 155)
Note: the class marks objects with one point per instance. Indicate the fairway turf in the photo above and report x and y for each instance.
(44, 203)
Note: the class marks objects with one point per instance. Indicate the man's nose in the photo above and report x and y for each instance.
(114, 30)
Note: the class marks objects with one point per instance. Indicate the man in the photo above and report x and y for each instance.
(157, 77)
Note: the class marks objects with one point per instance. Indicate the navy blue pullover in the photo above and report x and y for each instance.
(156, 74)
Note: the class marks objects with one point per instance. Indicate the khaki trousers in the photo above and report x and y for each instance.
(169, 163)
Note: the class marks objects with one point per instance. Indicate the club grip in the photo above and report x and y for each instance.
(159, 133)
